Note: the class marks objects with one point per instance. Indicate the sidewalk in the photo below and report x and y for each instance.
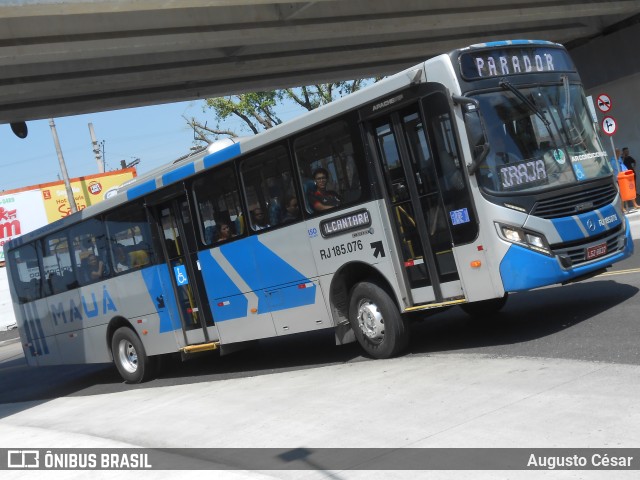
(9, 336)
(438, 401)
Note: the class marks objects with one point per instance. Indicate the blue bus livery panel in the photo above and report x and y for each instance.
(260, 269)
(543, 270)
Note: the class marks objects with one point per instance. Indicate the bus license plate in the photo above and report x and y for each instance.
(596, 251)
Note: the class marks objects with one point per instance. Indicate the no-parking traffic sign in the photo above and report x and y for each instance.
(604, 102)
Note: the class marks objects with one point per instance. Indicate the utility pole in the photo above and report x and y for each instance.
(96, 149)
(63, 167)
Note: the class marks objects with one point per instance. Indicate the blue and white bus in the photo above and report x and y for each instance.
(469, 176)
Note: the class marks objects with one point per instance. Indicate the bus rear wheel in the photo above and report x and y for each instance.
(378, 325)
(130, 357)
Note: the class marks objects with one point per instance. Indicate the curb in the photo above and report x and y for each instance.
(9, 342)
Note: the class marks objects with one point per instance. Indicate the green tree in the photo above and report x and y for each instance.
(256, 111)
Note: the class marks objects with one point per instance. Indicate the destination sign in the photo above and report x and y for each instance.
(528, 172)
(345, 223)
(513, 60)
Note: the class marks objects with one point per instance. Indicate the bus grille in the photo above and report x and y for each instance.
(577, 251)
(575, 203)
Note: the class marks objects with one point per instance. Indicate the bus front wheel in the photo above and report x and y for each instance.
(130, 357)
(378, 325)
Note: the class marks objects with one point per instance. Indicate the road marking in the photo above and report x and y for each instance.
(620, 272)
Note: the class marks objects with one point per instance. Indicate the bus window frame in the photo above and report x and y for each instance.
(264, 205)
(358, 156)
(197, 216)
(16, 274)
(149, 241)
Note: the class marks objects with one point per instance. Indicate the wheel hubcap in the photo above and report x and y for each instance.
(128, 356)
(371, 321)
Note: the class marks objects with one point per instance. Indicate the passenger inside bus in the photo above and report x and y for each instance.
(138, 258)
(275, 212)
(93, 268)
(322, 199)
(292, 210)
(209, 234)
(224, 232)
(121, 259)
(259, 219)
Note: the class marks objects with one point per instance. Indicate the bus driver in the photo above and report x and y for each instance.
(321, 198)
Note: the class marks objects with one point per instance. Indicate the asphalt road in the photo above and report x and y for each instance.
(595, 320)
(557, 368)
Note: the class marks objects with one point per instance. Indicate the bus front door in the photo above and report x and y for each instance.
(413, 151)
(180, 253)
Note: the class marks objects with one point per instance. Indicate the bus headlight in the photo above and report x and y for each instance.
(534, 241)
(512, 234)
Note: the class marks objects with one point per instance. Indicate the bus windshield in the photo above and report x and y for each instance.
(539, 138)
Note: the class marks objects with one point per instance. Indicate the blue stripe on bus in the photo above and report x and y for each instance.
(154, 278)
(297, 295)
(523, 269)
(221, 155)
(504, 43)
(142, 189)
(225, 298)
(178, 174)
(27, 332)
(262, 269)
(259, 266)
(45, 347)
(36, 333)
(587, 224)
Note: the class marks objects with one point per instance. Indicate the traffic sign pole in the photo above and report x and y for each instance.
(613, 149)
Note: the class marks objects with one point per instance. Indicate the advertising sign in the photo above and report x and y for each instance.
(86, 191)
(20, 213)
(25, 209)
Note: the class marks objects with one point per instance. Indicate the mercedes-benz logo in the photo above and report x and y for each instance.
(591, 225)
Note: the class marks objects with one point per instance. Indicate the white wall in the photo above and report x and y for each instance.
(7, 317)
(610, 64)
(625, 101)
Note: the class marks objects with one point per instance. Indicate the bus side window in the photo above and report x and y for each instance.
(56, 258)
(332, 167)
(88, 240)
(267, 181)
(25, 270)
(218, 202)
(129, 236)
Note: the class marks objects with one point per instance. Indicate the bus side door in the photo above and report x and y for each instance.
(418, 152)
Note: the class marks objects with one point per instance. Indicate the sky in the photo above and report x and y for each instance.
(156, 135)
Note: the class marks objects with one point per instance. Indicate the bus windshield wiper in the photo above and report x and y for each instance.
(504, 83)
(567, 97)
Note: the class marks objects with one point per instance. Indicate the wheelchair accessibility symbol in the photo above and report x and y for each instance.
(180, 273)
(580, 175)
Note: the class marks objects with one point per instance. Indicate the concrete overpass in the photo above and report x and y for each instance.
(68, 57)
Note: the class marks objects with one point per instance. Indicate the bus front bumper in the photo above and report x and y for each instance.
(522, 269)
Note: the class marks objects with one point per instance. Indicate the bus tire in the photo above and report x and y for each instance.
(485, 307)
(378, 325)
(130, 357)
